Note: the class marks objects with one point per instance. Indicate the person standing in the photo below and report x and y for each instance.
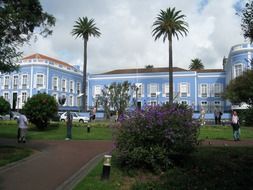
(202, 116)
(69, 125)
(22, 128)
(236, 126)
(216, 116)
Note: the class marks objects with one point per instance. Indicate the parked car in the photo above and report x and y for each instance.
(5, 117)
(15, 115)
(76, 117)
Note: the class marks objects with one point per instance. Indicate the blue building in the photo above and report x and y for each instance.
(42, 74)
(203, 88)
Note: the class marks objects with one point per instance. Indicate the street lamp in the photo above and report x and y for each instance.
(137, 87)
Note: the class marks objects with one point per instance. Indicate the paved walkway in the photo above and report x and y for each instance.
(55, 164)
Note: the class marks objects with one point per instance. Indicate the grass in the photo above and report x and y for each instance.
(11, 154)
(57, 131)
(210, 168)
(224, 133)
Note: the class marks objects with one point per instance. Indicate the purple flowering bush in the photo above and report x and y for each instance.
(150, 138)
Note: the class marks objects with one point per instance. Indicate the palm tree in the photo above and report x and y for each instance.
(85, 28)
(196, 64)
(170, 23)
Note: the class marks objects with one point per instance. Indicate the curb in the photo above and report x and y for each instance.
(80, 174)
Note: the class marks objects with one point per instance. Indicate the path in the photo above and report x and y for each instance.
(51, 167)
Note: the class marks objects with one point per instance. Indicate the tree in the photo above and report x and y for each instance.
(196, 64)
(240, 89)
(247, 21)
(85, 28)
(4, 106)
(170, 23)
(40, 108)
(116, 96)
(18, 21)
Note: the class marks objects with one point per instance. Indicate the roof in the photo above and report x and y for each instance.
(144, 70)
(40, 56)
(209, 70)
(157, 70)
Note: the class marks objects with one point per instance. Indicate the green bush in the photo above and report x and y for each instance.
(40, 109)
(4, 106)
(152, 138)
(245, 116)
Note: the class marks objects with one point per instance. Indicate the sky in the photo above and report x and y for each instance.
(126, 33)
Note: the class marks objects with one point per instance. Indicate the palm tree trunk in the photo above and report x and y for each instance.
(170, 71)
(84, 99)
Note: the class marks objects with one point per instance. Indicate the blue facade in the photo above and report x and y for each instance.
(203, 88)
(42, 74)
(197, 89)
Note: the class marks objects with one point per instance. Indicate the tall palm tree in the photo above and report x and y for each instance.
(170, 23)
(196, 64)
(85, 28)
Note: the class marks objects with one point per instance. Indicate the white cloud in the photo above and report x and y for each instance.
(126, 27)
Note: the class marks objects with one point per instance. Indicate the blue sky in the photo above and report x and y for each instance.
(126, 26)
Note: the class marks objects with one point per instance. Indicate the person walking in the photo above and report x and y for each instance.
(22, 128)
(236, 126)
(69, 125)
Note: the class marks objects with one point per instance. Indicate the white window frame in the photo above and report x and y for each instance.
(24, 96)
(153, 89)
(71, 86)
(15, 82)
(71, 100)
(97, 91)
(6, 96)
(55, 82)
(6, 82)
(217, 89)
(184, 89)
(203, 90)
(78, 87)
(237, 73)
(166, 90)
(64, 85)
(24, 82)
(40, 83)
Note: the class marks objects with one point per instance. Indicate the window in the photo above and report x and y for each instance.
(184, 102)
(203, 90)
(6, 82)
(63, 85)
(78, 88)
(217, 90)
(204, 105)
(24, 81)
(97, 91)
(24, 97)
(6, 96)
(40, 81)
(55, 83)
(71, 86)
(55, 97)
(166, 90)
(15, 82)
(153, 90)
(184, 89)
(140, 92)
(70, 100)
(152, 103)
(238, 70)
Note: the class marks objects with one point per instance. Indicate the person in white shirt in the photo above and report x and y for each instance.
(22, 127)
(236, 126)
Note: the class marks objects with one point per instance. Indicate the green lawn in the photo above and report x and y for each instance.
(219, 132)
(57, 131)
(210, 168)
(11, 154)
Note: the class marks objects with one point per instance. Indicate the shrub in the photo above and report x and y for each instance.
(40, 108)
(4, 106)
(151, 138)
(246, 116)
